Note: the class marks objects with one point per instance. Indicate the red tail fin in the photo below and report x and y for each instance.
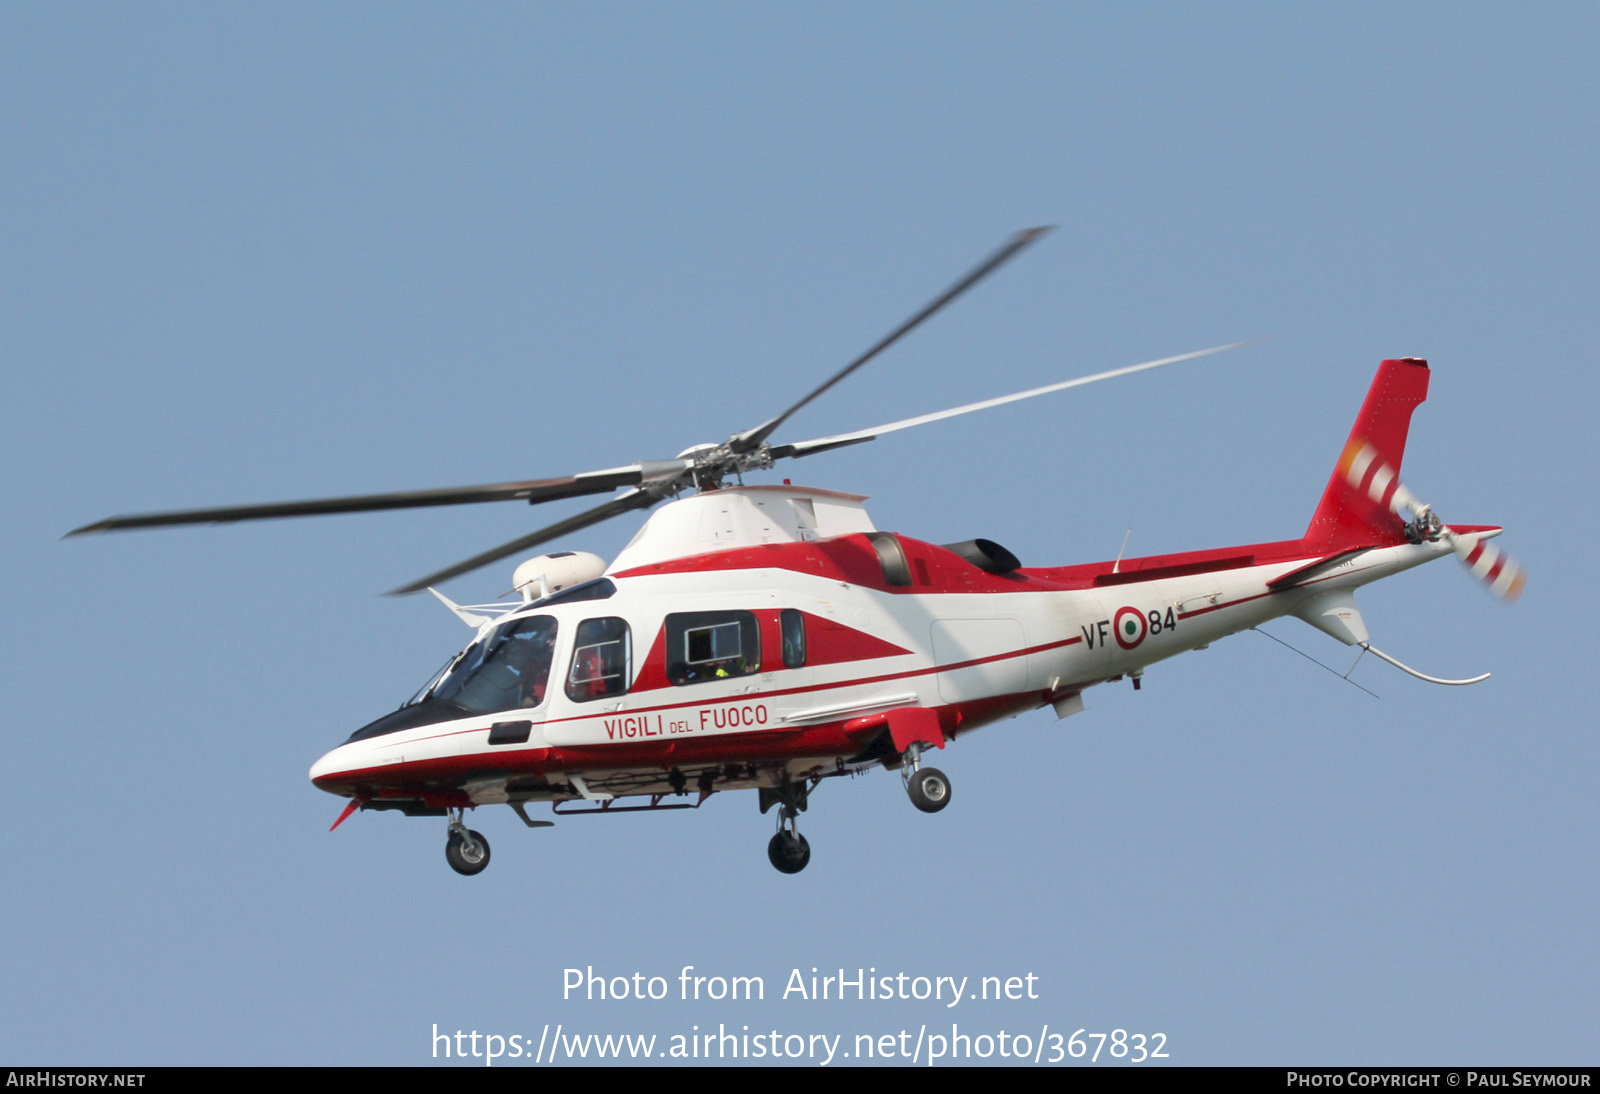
(1346, 517)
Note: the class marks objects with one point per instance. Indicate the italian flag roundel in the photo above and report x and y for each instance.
(1129, 627)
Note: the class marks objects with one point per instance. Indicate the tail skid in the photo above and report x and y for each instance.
(1335, 613)
(1375, 651)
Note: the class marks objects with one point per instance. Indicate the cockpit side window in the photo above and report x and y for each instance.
(602, 660)
(426, 690)
(508, 670)
(705, 646)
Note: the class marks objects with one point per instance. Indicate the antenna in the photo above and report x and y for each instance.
(1314, 661)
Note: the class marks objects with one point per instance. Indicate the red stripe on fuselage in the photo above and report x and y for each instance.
(766, 695)
(851, 560)
(738, 749)
(1269, 592)
(1229, 604)
(791, 691)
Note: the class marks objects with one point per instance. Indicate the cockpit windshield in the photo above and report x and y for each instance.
(507, 669)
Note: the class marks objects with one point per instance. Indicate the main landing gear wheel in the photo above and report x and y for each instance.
(789, 852)
(929, 789)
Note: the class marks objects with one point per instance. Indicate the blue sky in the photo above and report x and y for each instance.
(256, 253)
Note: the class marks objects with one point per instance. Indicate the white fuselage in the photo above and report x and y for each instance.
(972, 656)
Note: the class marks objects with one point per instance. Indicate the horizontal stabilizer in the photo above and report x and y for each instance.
(1316, 569)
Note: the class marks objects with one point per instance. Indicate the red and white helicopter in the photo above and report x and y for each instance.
(770, 637)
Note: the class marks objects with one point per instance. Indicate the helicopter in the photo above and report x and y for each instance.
(770, 637)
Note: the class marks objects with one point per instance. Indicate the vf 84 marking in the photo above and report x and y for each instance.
(1129, 627)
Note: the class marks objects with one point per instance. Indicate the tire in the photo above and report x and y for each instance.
(929, 790)
(789, 854)
(465, 861)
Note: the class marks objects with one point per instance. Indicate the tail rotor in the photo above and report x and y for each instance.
(1367, 472)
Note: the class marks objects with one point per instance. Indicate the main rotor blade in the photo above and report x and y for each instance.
(749, 439)
(622, 503)
(533, 491)
(822, 444)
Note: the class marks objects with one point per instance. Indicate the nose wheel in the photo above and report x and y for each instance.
(927, 787)
(466, 851)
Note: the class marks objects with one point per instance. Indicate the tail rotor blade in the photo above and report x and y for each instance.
(1366, 471)
(1501, 574)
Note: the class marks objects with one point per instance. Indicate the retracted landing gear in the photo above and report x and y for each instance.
(788, 850)
(927, 787)
(466, 851)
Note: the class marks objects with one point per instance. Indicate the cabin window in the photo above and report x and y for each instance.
(704, 646)
(601, 660)
(793, 625)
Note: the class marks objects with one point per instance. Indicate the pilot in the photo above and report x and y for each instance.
(540, 659)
